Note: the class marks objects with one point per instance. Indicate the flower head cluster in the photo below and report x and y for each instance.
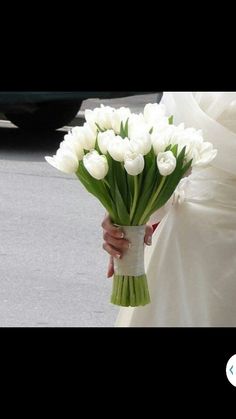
(127, 138)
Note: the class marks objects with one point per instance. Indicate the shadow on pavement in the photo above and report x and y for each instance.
(18, 144)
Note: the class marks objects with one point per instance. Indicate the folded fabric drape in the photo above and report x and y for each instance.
(191, 265)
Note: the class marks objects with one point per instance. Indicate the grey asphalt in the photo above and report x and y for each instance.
(52, 265)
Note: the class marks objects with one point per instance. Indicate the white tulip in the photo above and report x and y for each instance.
(136, 119)
(136, 122)
(85, 136)
(104, 138)
(176, 134)
(134, 163)
(160, 124)
(166, 163)
(64, 160)
(90, 118)
(77, 134)
(102, 116)
(73, 144)
(159, 145)
(162, 138)
(96, 164)
(153, 112)
(192, 140)
(188, 137)
(118, 116)
(204, 155)
(118, 147)
(140, 142)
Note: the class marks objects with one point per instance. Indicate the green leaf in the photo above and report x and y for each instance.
(122, 130)
(119, 177)
(123, 215)
(95, 187)
(150, 182)
(171, 119)
(96, 147)
(99, 128)
(151, 131)
(149, 158)
(174, 150)
(126, 129)
(186, 167)
(180, 158)
(130, 183)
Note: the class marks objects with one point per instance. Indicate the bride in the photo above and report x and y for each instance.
(191, 265)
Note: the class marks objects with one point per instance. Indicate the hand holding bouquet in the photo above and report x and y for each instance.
(132, 163)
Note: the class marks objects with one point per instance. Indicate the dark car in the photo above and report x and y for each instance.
(48, 110)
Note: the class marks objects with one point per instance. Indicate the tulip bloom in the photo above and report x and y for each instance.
(104, 139)
(118, 147)
(166, 163)
(64, 160)
(96, 164)
(134, 163)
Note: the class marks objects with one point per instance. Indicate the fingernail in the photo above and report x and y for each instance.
(130, 245)
(117, 256)
(149, 241)
(121, 233)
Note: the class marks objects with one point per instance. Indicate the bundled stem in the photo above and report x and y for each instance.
(130, 291)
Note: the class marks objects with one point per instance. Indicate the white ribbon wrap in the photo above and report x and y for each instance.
(132, 262)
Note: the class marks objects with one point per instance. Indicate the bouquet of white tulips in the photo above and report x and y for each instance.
(132, 163)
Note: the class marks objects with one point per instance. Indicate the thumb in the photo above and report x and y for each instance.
(148, 235)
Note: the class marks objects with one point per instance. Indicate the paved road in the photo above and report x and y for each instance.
(52, 266)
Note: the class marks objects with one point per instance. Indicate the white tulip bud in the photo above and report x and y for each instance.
(85, 135)
(134, 163)
(101, 116)
(96, 164)
(136, 122)
(104, 117)
(90, 117)
(140, 142)
(64, 160)
(118, 116)
(73, 144)
(204, 155)
(166, 163)
(104, 138)
(160, 140)
(118, 147)
(153, 112)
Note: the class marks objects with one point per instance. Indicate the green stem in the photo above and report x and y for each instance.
(153, 199)
(136, 191)
(110, 209)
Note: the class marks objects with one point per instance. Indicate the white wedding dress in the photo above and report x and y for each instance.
(191, 265)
